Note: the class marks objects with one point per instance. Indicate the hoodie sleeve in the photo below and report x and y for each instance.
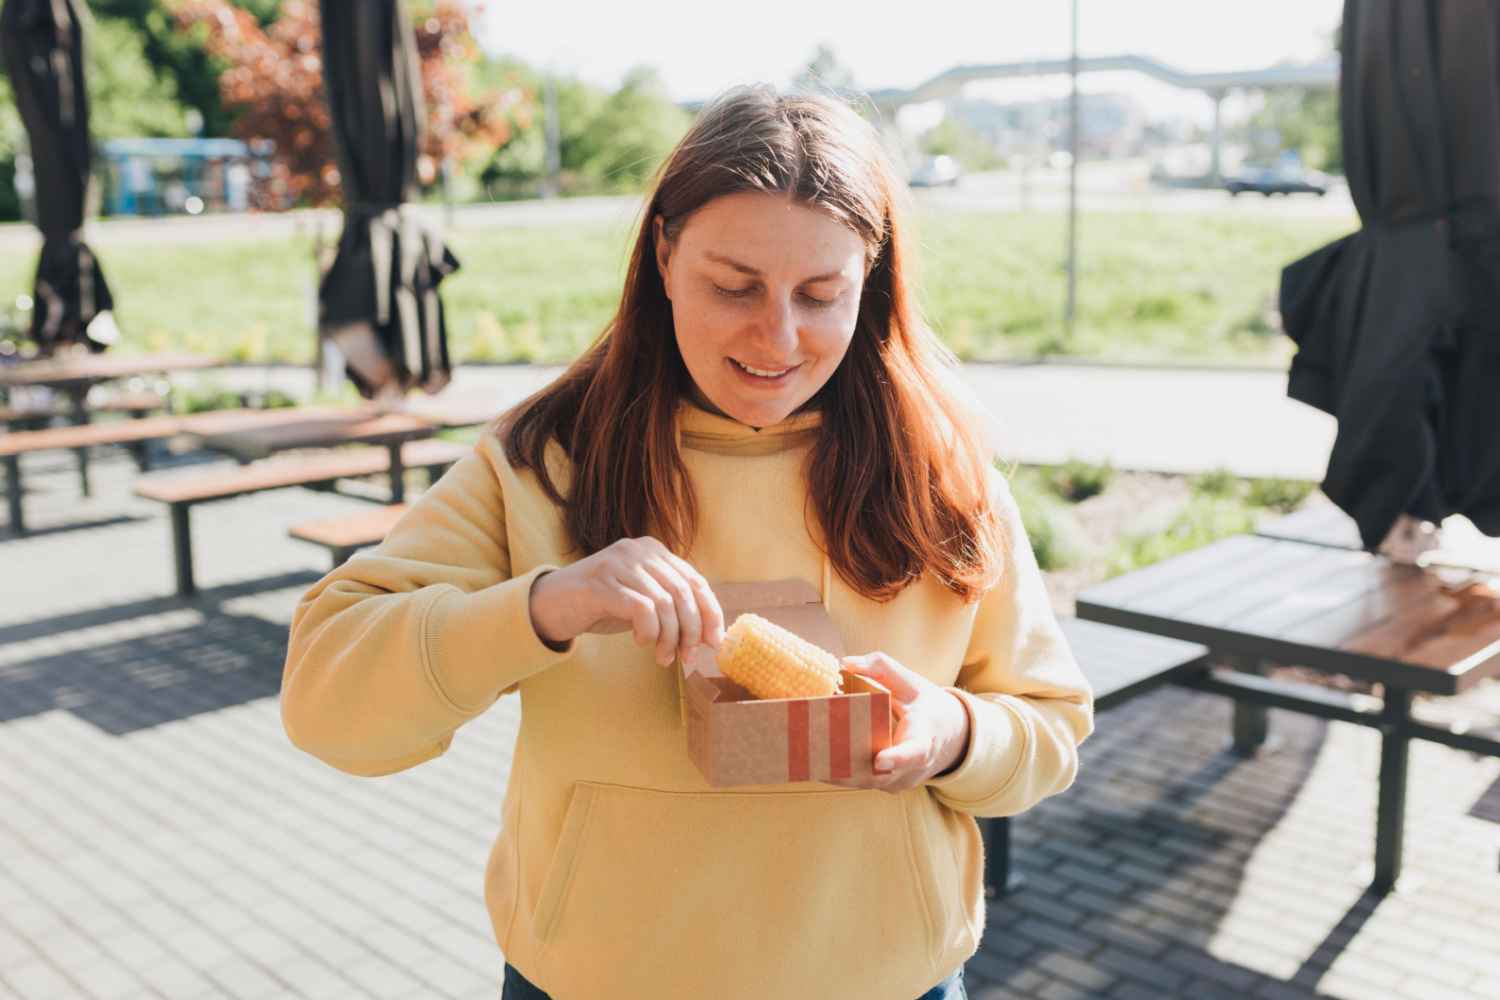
(394, 650)
(1029, 704)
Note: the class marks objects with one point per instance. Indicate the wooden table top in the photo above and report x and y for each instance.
(451, 409)
(1323, 524)
(1338, 610)
(67, 372)
(318, 431)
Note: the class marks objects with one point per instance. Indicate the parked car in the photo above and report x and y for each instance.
(936, 171)
(1280, 179)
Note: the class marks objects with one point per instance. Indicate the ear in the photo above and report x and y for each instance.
(663, 252)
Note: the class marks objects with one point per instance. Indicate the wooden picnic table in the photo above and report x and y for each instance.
(412, 420)
(75, 375)
(454, 409)
(327, 430)
(72, 375)
(1256, 601)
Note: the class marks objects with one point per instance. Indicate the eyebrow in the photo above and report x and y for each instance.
(747, 269)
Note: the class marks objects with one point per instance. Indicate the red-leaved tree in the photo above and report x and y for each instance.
(273, 82)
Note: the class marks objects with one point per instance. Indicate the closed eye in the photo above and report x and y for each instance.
(740, 293)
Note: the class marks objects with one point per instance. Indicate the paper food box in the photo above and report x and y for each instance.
(737, 739)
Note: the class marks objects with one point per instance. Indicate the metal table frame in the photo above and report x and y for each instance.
(1249, 655)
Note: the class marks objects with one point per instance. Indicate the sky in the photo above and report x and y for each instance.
(701, 48)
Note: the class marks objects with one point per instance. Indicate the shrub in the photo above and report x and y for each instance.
(1216, 483)
(1205, 519)
(1284, 495)
(1077, 480)
(1054, 533)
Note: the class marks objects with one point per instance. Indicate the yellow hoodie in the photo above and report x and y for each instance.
(618, 873)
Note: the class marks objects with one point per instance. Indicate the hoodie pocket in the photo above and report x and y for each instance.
(748, 881)
(950, 864)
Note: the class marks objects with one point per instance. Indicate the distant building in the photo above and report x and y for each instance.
(171, 176)
(1110, 125)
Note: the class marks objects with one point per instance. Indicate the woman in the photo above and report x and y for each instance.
(765, 404)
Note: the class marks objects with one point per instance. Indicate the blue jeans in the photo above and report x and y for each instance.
(516, 987)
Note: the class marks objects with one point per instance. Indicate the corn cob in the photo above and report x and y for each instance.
(772, 662)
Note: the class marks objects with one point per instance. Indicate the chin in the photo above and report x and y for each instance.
(761, 414)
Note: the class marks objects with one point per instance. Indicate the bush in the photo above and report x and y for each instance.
(1284, 495)
(1205, 519)
(204, 400)
(1218, 483)
(216, 397)
(1077, 480)
(10, 202)
(1055, 535)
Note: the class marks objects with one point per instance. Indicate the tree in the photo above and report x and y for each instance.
(633, 130)
(951, 137)
(1305, 120)
(824, 72)
(181, 58)
(274, 88)
(126, 97)
(606, 142)
(10, 144)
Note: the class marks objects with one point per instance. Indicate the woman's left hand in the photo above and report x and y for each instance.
(932, 731)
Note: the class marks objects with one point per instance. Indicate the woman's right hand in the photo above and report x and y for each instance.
(636, 584)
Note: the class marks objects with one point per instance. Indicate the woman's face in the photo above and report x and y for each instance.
(759, 281)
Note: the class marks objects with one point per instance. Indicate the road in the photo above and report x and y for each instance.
(1103, 187)
(1182, 420)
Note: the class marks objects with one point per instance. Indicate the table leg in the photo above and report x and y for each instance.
(398, 476)
(13, 494)
(1390, 815)
(999, 879)
(81, 418)
(1252, 724)
(182, 549)
(141, 450)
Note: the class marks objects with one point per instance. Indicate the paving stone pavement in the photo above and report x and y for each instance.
(160, 838)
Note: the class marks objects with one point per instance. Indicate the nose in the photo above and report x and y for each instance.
(778, 328)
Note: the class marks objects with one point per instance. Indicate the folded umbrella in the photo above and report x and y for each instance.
(1396, 325)
(42, 49)
(379, 301)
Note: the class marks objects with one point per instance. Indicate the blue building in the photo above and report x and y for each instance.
(192, 176)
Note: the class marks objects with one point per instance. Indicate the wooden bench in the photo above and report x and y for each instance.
(1120, 664)
(136, 405)
(134, 434)
(345, 534)
(131, 433)
(183, 492)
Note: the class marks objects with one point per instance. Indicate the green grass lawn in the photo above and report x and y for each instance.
(1151, 287)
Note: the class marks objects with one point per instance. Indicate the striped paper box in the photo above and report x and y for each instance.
(736, 739)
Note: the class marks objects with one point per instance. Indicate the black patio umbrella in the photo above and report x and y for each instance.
(42, 49)
(379, 301)
(1398, 325)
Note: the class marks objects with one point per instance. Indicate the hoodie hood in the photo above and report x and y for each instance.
(701, 430)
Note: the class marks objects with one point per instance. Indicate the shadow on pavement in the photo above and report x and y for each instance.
(9, 533)
(1130, 874)
(145, 680)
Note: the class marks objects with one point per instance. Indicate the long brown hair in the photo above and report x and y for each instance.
(897, 475)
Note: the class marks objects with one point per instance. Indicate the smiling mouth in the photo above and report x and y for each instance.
(766, 373)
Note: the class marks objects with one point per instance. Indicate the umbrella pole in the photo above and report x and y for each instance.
(1069, 312)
